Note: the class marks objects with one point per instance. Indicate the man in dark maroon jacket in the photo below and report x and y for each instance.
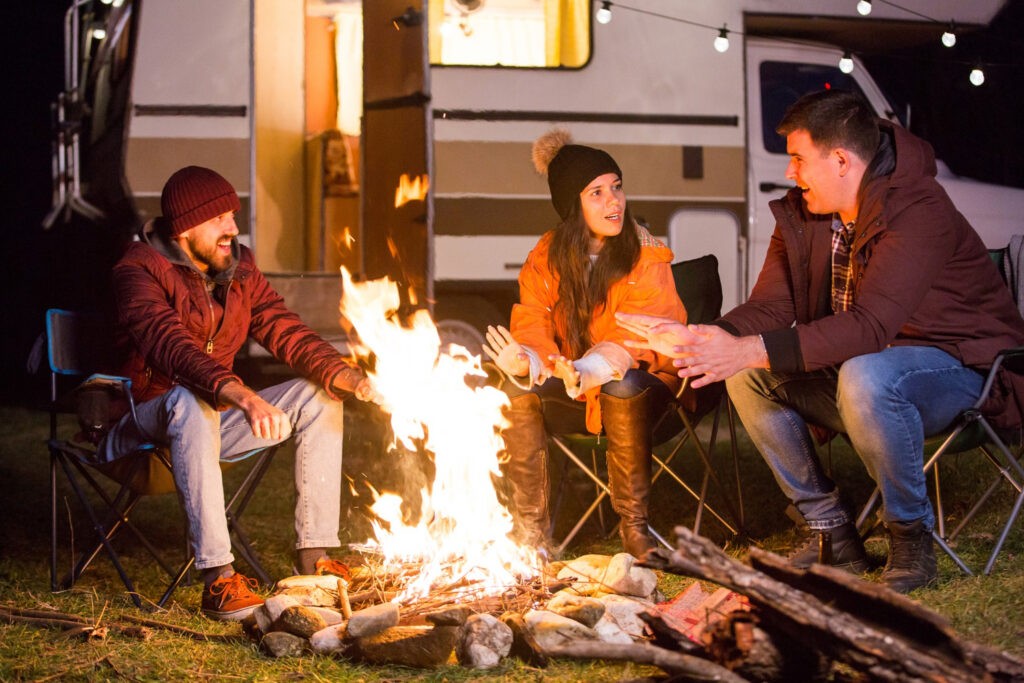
(188, 295)
(875, 310)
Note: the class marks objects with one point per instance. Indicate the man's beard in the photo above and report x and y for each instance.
(216, 262)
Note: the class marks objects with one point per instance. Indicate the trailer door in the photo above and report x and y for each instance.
(396, 147)
(777, 75)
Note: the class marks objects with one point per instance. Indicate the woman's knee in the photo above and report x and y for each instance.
(631, 385)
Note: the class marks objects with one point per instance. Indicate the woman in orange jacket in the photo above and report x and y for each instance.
(565, 353)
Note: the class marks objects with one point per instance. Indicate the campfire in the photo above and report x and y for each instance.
(442, 570)
(443, 576)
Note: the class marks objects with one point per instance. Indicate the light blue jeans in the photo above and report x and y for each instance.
(886, 403)
(199, 436)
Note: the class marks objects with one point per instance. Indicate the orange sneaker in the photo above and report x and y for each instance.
(230, 598)
(326, 565)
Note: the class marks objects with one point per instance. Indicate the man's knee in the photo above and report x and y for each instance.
(744, 382)
(863, 380)
(182, 406)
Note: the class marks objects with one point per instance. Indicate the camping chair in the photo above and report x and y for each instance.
(972, 431)
(75, 344)
(700, 289)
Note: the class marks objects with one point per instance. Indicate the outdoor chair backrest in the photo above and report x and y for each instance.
(699, 287)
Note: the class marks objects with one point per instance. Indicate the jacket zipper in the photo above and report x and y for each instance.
(209, 305)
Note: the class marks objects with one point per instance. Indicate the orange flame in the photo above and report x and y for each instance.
(462, 531)
(411, 189)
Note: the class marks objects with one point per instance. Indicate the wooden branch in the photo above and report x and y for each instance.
(55, 620)
(870, 602)
(45, 614)
(681, 667)
(524, 645)
(195, 635)
(882, 653)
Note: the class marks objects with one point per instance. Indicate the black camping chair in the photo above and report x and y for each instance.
(972, 432)
(75, 345)
(700, 289)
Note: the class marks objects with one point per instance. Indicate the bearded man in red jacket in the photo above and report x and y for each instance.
(187, 297)
(874, 314)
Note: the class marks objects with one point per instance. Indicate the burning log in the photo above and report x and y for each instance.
(872, 629)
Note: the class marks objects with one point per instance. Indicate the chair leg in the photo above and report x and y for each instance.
(734, 447)
(54, 455)
(104, 539)
(243, 494)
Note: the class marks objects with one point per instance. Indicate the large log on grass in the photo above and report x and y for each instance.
(681, 667)
(883, 634)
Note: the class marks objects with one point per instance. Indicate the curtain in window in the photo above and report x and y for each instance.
(348, 50)
(566, 39)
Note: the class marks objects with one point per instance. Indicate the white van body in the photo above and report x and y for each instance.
(683, 121)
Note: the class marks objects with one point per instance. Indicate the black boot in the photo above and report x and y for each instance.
(842, 548)
(629, 467)
(526, 469)
(911, 562)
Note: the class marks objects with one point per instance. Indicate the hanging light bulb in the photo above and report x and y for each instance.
(99, 33)
(604, 15)
(977, 76)
(846, 63)
(864, 7)
(949, 36)
(722, 40)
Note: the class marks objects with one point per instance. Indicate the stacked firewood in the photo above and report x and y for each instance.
(800, 623)
(594, 598)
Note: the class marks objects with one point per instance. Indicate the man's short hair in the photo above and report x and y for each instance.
(834, 118)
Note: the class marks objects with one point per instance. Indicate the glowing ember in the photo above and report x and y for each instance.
(410, 189)
(462, 535)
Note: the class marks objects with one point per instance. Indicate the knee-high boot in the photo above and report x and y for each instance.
(626, 423)
(526, 469)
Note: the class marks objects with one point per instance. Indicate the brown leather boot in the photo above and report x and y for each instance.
(527, 469)
(629, 466)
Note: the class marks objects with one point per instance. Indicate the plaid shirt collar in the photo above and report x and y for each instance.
(842, 273)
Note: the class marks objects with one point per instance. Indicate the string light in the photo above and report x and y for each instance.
(99, 33)
(846, 63)
(722, 40)
(949, 35)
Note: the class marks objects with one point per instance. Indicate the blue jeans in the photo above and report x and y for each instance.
(885, 402)
(199, 437)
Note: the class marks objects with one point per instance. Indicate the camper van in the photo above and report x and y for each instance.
(392, 137)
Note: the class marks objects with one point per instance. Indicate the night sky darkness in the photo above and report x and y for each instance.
(979, 132)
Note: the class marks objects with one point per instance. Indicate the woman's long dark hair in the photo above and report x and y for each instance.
(582, 287)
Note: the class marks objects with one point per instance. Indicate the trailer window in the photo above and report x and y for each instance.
(510, 33)
(783, 83)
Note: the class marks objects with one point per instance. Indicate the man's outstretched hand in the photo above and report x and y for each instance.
(706, 352)
(658, 334)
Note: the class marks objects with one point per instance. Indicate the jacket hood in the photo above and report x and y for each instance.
(915, 168)
(170, 250)
(914, 156)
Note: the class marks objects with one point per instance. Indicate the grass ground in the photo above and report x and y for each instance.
(986, 609)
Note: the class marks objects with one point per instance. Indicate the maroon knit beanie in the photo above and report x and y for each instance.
(194, 195)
